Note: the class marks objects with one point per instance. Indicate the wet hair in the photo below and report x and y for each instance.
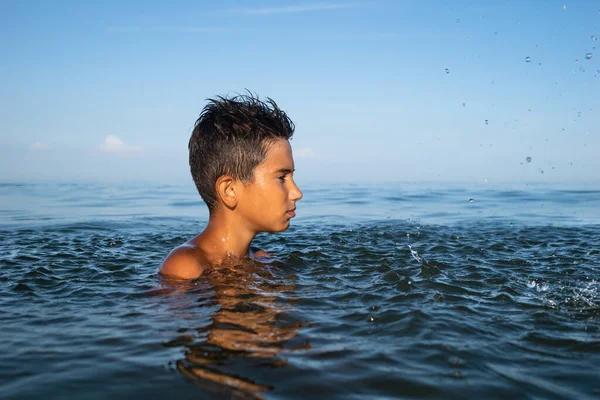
(231, 137)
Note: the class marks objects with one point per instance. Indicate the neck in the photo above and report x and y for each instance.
(225, 239)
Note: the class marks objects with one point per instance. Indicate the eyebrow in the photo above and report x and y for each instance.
(284, 171)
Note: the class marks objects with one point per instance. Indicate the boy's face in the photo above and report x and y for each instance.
(268, 202)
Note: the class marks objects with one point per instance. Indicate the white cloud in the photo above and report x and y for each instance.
(112, 144)
(304, 153)
(39, 146)
(296, 9)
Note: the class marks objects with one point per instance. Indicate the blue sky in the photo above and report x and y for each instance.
(379, 90)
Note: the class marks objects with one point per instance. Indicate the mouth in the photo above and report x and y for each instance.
(291, 213)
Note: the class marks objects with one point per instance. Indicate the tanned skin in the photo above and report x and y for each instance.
(244, 209)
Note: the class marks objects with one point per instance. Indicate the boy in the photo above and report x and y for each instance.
(241, 162)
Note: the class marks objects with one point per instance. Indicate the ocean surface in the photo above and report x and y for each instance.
(377, 291)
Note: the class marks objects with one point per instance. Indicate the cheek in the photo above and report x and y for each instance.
(264, 197)
(268, 197)
(272, 201)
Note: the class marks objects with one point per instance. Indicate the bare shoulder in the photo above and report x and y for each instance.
(182, 263)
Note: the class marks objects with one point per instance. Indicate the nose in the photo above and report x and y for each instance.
(296, 194)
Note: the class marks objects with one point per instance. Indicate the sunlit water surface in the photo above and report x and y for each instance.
(376, 291)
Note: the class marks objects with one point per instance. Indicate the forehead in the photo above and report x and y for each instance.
(278, 156)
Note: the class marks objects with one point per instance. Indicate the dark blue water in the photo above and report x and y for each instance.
(376, 291)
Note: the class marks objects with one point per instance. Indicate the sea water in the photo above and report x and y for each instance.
(393, 290)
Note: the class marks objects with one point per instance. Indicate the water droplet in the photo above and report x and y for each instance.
(471, 201)
(447, 70)
(486, 122)
(527, 59)
(564, 7)
(540, 64)
(576, 61)
(594, 38)
(528, 159)
(542, 171)
(414, 254)
(370, 319)
(457, 20)
(496, 33)
(464, 104)
(541, 287)
(588, 56)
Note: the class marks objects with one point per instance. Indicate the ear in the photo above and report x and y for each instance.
(227, 190)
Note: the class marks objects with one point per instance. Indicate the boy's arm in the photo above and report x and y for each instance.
(256, 252)
(181, 263)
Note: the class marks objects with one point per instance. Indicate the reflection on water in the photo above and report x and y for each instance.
(499, 298)
(250, 331)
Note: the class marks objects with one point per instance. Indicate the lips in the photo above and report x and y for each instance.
(291, 212)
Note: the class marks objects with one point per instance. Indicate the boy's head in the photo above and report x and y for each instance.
(232, 137)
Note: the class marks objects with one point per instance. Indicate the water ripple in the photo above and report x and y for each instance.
(394, 308)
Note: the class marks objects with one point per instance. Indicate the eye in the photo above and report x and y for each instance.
(281, 178)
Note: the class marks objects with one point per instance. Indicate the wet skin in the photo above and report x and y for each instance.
(244, 209)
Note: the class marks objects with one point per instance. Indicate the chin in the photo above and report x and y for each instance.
(282, 228)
